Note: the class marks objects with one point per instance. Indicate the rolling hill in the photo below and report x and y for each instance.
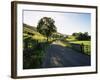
(31, 31)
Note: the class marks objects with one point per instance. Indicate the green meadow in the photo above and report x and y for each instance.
(86, 43)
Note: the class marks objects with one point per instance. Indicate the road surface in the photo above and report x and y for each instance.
(59, 56)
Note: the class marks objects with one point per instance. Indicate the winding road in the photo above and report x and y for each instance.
(59, 56)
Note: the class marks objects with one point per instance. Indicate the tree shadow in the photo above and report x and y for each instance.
(60, 56)
(33, 53)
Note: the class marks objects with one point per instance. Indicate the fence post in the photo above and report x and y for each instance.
(87, 49)
(82, 48)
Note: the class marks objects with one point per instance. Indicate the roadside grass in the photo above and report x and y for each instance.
(81, 42)
(71, 38)
(34, 48)
(61, 43)
(86, 46)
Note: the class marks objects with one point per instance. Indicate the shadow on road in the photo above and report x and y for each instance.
(59, 56)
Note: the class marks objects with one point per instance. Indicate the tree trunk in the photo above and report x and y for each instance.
(47, 39)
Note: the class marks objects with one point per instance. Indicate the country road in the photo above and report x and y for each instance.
(59, 56)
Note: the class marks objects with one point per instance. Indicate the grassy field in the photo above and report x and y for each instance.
(36, 35)
(82, 42)
(86, 44)
(61, 43)
(70, 38)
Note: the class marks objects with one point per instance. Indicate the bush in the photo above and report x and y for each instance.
(82, 36)
(33, 53)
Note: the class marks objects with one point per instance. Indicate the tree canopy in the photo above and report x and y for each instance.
(82, 36)
(46, 26)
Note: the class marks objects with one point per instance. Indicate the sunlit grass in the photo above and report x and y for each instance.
(85, 43)
(82, 42)
(71, 38)
(38, 37)
(61, 43)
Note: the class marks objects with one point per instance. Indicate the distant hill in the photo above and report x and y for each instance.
(30, 27)
(31, 31)
(27, 29)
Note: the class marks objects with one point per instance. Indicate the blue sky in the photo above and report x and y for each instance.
(66, 22)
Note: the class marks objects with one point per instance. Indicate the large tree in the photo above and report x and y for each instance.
(82, 36)
(46, 26)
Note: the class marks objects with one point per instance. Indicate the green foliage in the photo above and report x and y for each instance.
(46, 26)
(82, 36)
(86, 46)
(71, 38)
(81, 42)
(33, 56)
(34, 45)
(30, 31)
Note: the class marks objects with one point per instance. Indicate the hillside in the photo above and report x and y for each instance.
(30, 27)
(31, 31)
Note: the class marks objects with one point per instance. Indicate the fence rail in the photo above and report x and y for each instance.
(81, 48)
(86, 49)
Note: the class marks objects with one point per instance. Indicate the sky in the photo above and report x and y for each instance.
(66, 22)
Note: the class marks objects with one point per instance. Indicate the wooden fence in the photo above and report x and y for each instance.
(81, 48)
(86, 48)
